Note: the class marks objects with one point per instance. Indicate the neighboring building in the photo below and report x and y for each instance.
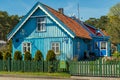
(44, 28)
(2, 43)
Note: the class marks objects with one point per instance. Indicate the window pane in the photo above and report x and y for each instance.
(42, 19)
(53, 48)
(24, 44)
(41, 24)
(103, 45)
(28, 44)
(28, 49)
(57, 49)
(24, 49)
(53, 44)
(57, 44)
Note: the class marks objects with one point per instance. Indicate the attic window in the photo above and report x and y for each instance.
(41, 27)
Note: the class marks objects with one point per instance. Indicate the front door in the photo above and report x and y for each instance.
(103, 48)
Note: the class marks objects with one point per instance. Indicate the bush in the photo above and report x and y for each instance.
(17, 55)
(27, 56)
(1, 55)
(7, 55)
(116, 54)
(38, 55)
(51, 56)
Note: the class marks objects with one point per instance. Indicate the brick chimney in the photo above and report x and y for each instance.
(61, 10)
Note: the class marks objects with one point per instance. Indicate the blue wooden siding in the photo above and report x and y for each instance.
(42, 40)
(83, 48)
(98, 51)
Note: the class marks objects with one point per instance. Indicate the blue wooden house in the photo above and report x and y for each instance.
(44, 28)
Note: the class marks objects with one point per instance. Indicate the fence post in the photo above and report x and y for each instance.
(9, 64)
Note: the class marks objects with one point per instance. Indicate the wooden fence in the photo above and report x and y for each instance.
(96, 68)
(28, 66)
(99, 68)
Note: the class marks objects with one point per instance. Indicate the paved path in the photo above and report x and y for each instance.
(13, 77)
(93, 78)
(19, 78)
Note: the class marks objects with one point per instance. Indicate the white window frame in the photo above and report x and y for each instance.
(40, 27)
(105, 45)
(25, 44)
(55, 46)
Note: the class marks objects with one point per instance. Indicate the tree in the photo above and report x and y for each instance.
(7, 55)
(113, 29)
(17, 55)
(100, 23)
(27, 56)
(115, 10)
(1, 55)
(7, 22)
(51, 56)
(38, 55)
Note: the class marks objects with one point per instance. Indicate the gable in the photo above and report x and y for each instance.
(32, 11)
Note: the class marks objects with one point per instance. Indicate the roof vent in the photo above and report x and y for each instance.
(61, 10)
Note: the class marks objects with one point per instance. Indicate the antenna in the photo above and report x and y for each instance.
(78, 11)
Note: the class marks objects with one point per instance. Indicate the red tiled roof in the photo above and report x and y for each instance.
(70, 23)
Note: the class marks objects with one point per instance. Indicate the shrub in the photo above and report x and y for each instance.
(116, 54)
(17, 55)
(27, 56)
(7, 55)
(51, 56)
(1, 55)
(38, 55)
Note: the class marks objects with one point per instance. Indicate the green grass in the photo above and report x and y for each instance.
(37, 74)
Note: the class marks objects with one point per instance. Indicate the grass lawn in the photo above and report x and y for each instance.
(36, 74)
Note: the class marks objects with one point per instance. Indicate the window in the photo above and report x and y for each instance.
(103, 45)
(96, 45)
(26, 47)
(56, 47)
(41, 24)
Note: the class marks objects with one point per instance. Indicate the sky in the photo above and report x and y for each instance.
(87, 8)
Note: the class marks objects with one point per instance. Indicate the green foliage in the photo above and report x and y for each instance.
(115, 10)
(116, 54)
(113, 29)
(7, 22)
(98, 23)
(27, 56)
(38, 55)
(1, 55)
(17, 55)
(7, 55)
(51, 56)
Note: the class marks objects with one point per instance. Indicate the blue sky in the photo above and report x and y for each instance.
(88, 8)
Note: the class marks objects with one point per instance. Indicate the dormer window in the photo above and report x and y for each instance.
(41, 27)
